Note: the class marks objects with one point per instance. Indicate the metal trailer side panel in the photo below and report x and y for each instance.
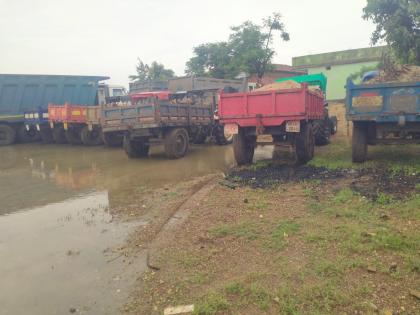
(386, 102)
(270, 108)
(30, 93)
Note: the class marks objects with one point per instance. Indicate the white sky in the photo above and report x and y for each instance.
(105, 37)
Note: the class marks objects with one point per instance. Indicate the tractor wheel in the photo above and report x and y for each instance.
(46, 135)
(359, 142)
(243, 148)
(322, 131)
(176, 142)
(26, 136)
(200, 138)
(73, 136)
(305, 144)
(221, 138)
(91, 137)
(135, 149)
(112, 139)
(7, 135)
(59, 135)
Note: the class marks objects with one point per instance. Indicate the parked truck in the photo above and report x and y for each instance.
(287, 115)
(161, 117)
(382, 113)
(24, 100)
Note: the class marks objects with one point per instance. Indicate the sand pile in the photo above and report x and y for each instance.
(400, 73)
(279, 86)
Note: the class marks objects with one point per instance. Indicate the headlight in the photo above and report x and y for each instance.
(45, 115)
(26, 116)
(36, 115)
(31, 115)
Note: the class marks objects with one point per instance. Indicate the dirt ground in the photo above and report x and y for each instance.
(271, 238)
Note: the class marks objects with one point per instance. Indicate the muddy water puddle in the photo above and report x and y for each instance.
(59, 237)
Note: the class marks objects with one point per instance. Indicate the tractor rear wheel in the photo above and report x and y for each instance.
(7, 135)
(176, 143)
(26, 136)
(59, 135)
(221, 138)
(46, 135)
(73, 136)
(359, 142)
(91, 137)
(322, 131)
(135, 149)
(243, 148)
(305, 143)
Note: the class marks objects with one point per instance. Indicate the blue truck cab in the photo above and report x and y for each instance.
(382, 113)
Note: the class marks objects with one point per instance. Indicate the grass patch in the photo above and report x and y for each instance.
(235, 288)
(281, 233)
(247, 230)
(211, 304)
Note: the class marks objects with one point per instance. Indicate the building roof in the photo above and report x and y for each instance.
(339, 57)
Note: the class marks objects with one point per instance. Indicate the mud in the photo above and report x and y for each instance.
(369, 182)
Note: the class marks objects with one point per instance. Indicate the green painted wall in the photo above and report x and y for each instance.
(337, 77)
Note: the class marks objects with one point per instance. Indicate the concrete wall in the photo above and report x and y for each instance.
(337, 76)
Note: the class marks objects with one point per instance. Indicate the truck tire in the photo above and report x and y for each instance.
(305, 143)
(25, 136)
(200, 138)
(73, 136)
(243, 148)
(359, 142)
(333, 125)
(46, 135)
(112, 139)
(91, 137)
(176, 142)
(59, 135)
(322, 131)
(221, 138)
(7, 135)
(135, 149)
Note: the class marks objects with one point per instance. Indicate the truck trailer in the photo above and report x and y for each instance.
(24, 102)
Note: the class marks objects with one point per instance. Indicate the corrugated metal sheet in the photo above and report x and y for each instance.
(22, 93)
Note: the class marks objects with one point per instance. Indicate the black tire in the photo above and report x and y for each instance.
(112, 139)
(305, 143)
(26, 136)
(322, 131)
(200, 138)
(219, 134)
(243, 148)
(176, 142)
(359, 142)
(59, 135)
(46, 135)
(7, 135)
(135, 149)
(333, 125)
(91, 137)
(73, 136)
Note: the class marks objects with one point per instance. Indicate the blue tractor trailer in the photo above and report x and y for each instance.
(24, 100)
(382, 113)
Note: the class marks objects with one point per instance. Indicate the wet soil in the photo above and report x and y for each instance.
(369, 182)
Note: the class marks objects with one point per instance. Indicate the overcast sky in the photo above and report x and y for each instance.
(105, 37)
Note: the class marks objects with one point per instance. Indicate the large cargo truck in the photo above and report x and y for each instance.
(24, 102)
(287, 115)
(382, 113)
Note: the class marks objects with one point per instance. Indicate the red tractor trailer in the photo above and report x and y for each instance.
(287, 115)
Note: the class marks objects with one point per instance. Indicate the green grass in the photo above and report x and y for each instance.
(211, 304)
(236, 288)
(281, 233)
(247, 230)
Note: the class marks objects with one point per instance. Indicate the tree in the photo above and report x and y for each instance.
(155, 72)
(248, 49)
(398, 24)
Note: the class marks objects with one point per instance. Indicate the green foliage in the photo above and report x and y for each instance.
(398, 24)
(248, 49)
(153, 72)
(236, 288)
(282, 232)
(356, 76)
